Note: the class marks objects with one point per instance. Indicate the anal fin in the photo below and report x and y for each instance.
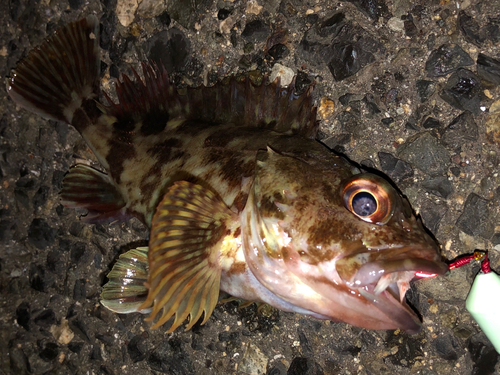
(86, 187)
(125, 291)
(188, 229)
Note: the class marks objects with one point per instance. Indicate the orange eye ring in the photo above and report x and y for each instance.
(369, 197)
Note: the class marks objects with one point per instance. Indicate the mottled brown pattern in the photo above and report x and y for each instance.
(237, 232)
(164, 152)
(332, 230)
(145, 153)
(166, 144)
(219, 138)
(219, 155)
(233, 171)
(301, 204)
(167, 150)
(219, 230)
(240, 201)
(332, 193)
(316, 255)
(149, 188)
(231, 165)
(269, 209)
(120, 149)
(237, 268)
(222, 137)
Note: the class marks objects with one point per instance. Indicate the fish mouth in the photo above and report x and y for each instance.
(392, 304)
(377, 265)
(384, 282)
(380, 271)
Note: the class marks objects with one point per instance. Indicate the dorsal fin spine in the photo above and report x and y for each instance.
(237, 100)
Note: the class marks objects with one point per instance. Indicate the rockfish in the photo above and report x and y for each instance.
(237, 193)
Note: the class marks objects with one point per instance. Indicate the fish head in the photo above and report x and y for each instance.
(334, 242)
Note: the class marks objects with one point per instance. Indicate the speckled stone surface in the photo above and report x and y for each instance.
(387, 66)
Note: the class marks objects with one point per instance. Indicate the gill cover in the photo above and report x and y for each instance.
(263, 227)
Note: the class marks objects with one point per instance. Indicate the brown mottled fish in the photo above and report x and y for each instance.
(237, 193)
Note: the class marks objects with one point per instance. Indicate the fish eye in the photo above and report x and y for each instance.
(369, 197)
(364, 204)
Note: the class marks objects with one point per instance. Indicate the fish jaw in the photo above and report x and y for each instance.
(318, 290)
(246, 286)
(374, 297)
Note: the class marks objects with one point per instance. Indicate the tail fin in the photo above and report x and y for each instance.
(55, 79)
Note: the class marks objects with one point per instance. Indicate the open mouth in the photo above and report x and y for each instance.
(390, 301)
(362, 269)
(386, 271)
(384, 283)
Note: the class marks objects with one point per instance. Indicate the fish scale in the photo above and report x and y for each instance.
(236, 192)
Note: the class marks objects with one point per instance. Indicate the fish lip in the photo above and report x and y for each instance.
(371, 272)
(359, 306)
(365, 265)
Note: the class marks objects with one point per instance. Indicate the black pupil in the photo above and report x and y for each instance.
(364, 204)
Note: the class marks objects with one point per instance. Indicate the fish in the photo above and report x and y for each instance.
(237, 193)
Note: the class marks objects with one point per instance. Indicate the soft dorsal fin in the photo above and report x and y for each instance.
(235, 99)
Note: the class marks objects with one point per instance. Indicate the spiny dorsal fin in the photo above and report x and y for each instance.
(56, 77)
(235, 99)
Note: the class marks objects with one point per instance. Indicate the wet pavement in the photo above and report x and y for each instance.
(409, 88)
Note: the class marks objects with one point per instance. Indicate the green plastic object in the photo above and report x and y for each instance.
(483, 303)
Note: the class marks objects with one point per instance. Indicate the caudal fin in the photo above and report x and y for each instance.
(57, 78)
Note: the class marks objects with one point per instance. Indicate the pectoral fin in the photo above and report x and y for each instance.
(187, 232)
(125, 291)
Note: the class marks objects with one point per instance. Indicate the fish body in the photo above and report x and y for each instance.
(236, 192)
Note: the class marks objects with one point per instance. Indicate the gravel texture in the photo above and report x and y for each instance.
(407, 87)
